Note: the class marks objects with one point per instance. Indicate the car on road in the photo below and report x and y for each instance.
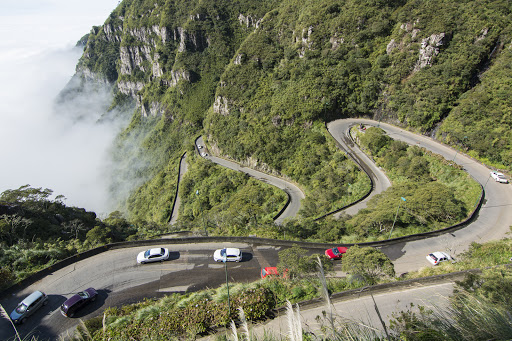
(499, 177)
(29, 306)
(336, 252)
(78, 301)
(153, 255)
(271, 271)
(199, 146)
(438, 257)
(203, 154)
(229, 254)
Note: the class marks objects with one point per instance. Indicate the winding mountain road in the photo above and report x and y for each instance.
(120, 280)
(294, 192)
(493, 220)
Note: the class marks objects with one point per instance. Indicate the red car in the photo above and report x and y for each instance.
(272, 271)
(336, 252)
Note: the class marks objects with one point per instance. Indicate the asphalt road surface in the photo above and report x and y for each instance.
(119, 280)
(294, 192)
(361, 310)
(493, 221)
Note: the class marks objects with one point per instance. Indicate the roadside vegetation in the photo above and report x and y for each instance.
(475, 302)
(37, 229)
(259, 80)
(199, 313)
(428, 192)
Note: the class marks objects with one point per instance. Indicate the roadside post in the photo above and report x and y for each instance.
(224, 259)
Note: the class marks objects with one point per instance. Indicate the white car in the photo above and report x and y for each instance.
(229, 254)
(438, 257)
(203, 154)
(153, 255)
(499, 177)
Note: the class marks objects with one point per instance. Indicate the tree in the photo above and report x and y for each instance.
(74, 227)
(297, 262)
(6, 277)
(12, 226)
(367, 262)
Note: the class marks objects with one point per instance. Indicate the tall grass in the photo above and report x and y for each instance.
(6, 316)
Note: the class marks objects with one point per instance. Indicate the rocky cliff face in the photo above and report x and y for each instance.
(138, 57)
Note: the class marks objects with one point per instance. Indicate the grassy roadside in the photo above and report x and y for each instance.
(191, 314)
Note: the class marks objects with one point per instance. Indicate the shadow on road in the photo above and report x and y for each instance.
(246, 257)
(32, 326)
(174, 255)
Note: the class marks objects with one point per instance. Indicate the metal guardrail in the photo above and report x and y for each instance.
(249, 240)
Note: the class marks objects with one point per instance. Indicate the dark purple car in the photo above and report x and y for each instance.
(77, 301)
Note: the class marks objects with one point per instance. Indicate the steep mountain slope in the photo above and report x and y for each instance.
(262, 77)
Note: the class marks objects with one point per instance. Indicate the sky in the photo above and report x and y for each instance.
(37, 59)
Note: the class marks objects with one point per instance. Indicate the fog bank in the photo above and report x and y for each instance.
(39, 146)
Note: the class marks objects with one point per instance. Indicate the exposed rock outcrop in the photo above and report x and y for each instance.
(305, 40)
(429, 50)
(336, 41)
(113, 33)
(191, 41)
(249, 21)
(130, 88)
(152, 109)
(220, 106)
(176, 76)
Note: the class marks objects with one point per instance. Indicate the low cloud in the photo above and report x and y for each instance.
(65, 147)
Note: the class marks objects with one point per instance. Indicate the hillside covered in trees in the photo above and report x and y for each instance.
(259, 80)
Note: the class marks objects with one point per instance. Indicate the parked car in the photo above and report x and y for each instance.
(77, 301)
(153, 255)
(203, 154)
(29, 306)
(438, 257)
(336, 252)
(271, 271)
(499, 177)
(229, 254)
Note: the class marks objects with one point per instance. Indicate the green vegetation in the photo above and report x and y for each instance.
(475, 302)
(369, 263)
(231, 202)
(185, 316)
(37, 230)
(259, 79)
(447, 196)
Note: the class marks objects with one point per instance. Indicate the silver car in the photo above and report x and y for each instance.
(28, 306)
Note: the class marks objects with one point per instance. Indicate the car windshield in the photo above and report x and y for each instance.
(336, 251)
(83, 294)
(433, 257)
(146, 254)
(223, 252)
(21, 308)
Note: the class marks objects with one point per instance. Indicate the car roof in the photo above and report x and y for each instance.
(232, 251)
(155, 251)
(72, 300)
(32, 297)
(440, 254)
(271, 270)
